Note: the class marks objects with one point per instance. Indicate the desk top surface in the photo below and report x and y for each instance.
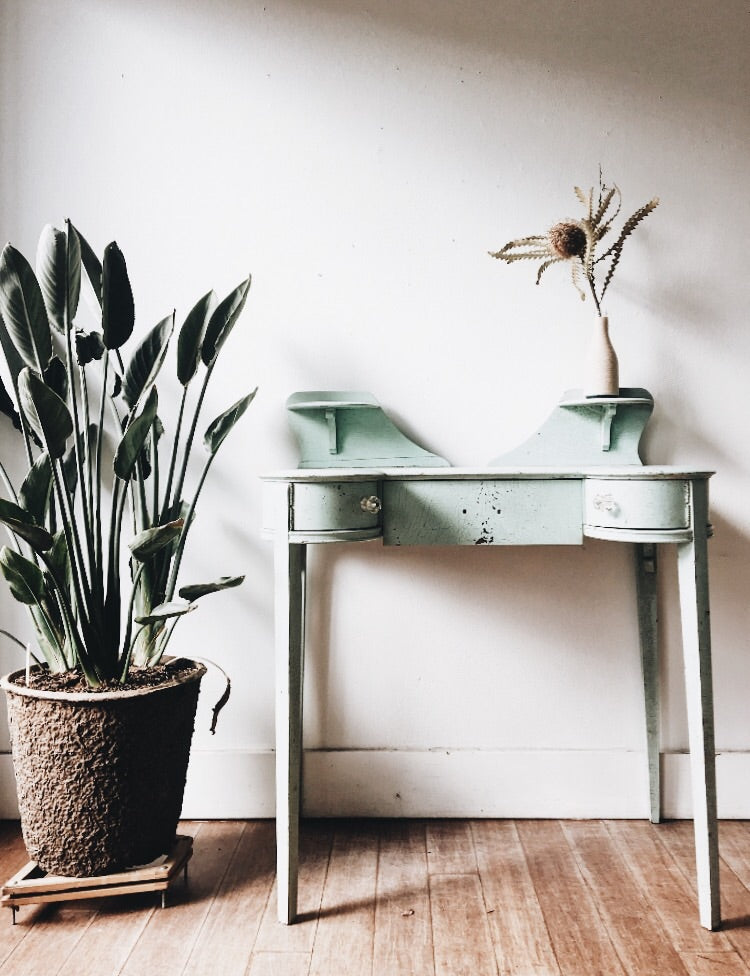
(646, 472)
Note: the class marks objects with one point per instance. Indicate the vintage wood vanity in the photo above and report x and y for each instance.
(578, 476)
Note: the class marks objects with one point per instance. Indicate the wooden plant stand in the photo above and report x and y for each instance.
(31, 885)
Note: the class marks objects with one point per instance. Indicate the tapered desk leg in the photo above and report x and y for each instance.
(645, 577)
(289, 569)
(692, 562)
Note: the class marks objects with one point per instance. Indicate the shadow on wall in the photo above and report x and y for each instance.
(685, 49)
(535, 597)
(526, 597)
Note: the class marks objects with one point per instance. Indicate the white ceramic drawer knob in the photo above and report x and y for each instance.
(605, 503)
(371, 504)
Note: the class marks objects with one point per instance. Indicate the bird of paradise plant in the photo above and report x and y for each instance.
(96, 448)
(575, 240)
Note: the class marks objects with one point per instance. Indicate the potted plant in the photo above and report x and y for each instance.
(101, 723)
(576, 242)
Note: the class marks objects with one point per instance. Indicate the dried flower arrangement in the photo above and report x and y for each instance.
(576, 240)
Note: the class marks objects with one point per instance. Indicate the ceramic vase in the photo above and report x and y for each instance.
(602, 373)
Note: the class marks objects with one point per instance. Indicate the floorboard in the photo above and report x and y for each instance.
(407, 898)
(403, 925)
(579, 936)
(519, 932)
(627, 913)
(345, 932)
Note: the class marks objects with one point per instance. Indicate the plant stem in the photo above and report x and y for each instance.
(189, 442)
(12, 492)
(77, 445)
(185, 529)
(82, 654)
(590, 279)
(173, 459)
(127, 646)
(98, 466)
(155, 473)
(8, 484)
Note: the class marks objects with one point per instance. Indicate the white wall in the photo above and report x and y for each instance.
(361, 159)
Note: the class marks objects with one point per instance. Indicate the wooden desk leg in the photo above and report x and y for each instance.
(289, 570)
(645, 578)
(692, 561)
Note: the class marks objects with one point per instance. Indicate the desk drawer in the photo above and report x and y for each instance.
(465, 513)
(637, 504)
(337, 505)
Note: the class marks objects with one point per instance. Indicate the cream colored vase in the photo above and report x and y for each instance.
(602, 372)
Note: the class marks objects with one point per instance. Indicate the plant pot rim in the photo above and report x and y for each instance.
(194, 673)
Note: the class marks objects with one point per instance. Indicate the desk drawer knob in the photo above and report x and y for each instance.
(605, 503)
(371, 504)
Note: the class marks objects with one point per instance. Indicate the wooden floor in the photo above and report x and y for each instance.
(407, 898)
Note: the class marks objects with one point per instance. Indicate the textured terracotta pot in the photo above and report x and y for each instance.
(100, 777)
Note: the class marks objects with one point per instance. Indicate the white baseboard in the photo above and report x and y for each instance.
(447, 783)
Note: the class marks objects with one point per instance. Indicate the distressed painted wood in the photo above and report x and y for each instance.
(335, 429)
(620, 504)
(343, 505)
(289, 627)
(646, 582)
(290, 623)
(692, 563)
(579, 476)
(487, 512)
(587, 430)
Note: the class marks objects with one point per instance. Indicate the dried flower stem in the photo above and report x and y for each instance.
(575, 241)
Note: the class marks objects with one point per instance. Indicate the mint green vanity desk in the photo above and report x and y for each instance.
(578, 476)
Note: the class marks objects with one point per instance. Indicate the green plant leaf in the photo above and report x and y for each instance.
(58, 557)
(222, 321)
(134, 438)
(147, 543)
(8, 407)
(56, 377)
(13, 359)
(22, 307)
(58, 269)
(164, 611)
(219, 428)
(35, 490)
(48, 641)
(191, 335)
(118, 310)
(23, 525)
(143, 468)
(70, 469)
(147, 361)
(89, 346)
(197, 590)
(45, 412)
(91, 265)
(25, 579)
